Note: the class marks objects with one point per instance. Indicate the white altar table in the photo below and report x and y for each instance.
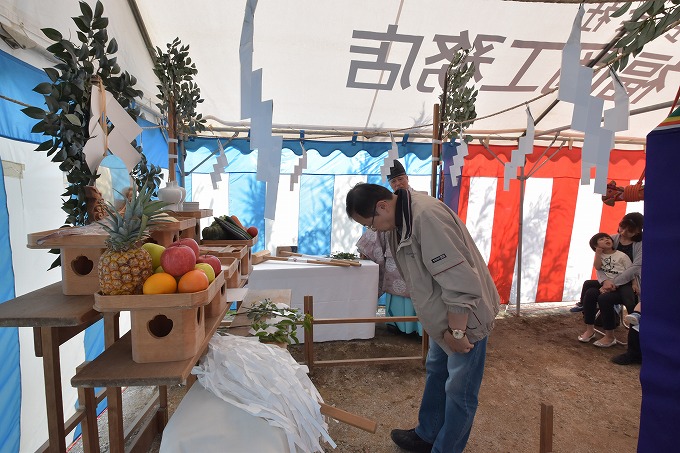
(339, 292)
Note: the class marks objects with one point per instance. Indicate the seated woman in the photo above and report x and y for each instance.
(617, 290)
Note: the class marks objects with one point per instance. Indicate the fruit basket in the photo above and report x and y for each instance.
(158, 301)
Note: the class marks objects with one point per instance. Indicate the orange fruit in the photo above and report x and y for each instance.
(193, 281)
(160, 283)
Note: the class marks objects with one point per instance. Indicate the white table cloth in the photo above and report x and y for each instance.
(207, 424)
(339, 292)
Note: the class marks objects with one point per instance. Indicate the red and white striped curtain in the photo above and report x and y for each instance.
(560, 215)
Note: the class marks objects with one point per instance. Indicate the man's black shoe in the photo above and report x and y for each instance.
(408, 440)
(625, 359)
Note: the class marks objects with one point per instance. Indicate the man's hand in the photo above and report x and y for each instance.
(462, 346)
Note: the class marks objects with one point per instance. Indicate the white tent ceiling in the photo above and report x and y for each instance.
(307, 49)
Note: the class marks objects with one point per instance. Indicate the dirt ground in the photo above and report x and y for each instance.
(532, 359)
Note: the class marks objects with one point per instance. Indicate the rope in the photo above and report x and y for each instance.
(636, 192)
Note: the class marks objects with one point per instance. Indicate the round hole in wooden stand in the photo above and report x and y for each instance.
(160, 326)
(82, 265)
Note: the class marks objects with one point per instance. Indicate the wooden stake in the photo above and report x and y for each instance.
(308, 308)
(546, 428)
(349, 418)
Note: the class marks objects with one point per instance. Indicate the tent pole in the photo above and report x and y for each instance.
(435, 149)
(522, 183)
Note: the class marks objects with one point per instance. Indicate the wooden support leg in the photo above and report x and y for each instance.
(425, 345)
(309, 334)
(163, 415)
(546, 428)
(114, 396)
(88, 400)
(55, 404)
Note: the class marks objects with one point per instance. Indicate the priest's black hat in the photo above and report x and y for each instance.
(396, 170)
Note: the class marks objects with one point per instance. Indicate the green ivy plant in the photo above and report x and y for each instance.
(458, 99)
(650, 20)
(178, 93)
(67, 97)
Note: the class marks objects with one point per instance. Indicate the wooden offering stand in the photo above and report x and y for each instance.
(198, 215)
(232, 248)
(80, 253)
(167, 327)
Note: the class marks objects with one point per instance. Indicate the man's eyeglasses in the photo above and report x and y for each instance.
(371, 227)
(375, 211)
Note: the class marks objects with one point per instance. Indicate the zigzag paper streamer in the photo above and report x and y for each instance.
(118, 140)
(388, 163)
(261, 138)
(575, 87)
(297, 169)
(458, 160)
(616, 119)
(218, 168)
(518, 156)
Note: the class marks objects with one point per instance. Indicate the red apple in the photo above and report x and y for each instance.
(189, 243)
(214, 262)
(252, 231)
(178, 260)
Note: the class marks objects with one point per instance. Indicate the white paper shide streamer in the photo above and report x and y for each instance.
(299, 167)
(118, 140)
(266, 382)
(392, 155)
(458, 161)
(252, 106)
(575, 87)
(518, 156)
(218, 168)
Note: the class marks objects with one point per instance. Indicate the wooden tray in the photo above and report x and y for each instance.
(97, 239)
(250, 242)
(155, 301)
(236, 251)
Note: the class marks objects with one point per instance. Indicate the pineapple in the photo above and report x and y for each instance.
(125, 265)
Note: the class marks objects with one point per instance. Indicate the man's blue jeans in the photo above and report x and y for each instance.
(450, 397)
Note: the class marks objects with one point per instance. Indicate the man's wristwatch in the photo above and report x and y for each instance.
(456, 333)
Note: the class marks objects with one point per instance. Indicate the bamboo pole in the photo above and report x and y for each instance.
(436, 147)
(172, 139)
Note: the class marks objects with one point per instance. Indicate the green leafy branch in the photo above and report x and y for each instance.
(67, 97)
(458, 99)
(178, 92)
(650, 20)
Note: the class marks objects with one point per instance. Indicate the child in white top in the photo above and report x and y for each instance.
(610, 261)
